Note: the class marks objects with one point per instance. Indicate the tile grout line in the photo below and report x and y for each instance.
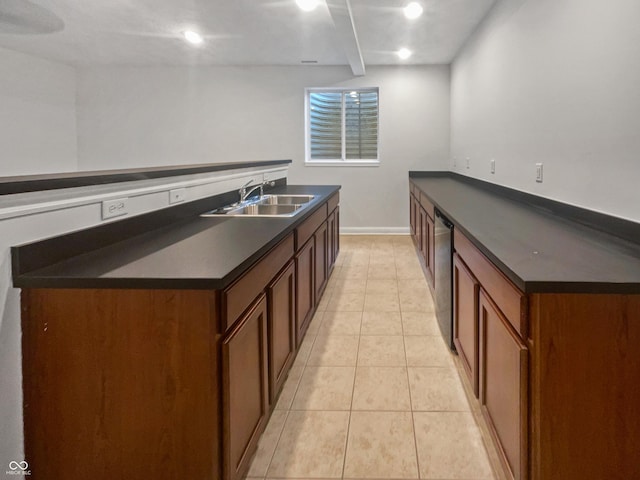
(284, 423)
(413, 421)
(353, 387)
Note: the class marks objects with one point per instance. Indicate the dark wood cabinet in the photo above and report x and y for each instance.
(423, 234)
(333, 237)
(465, 319)
(488, 311)
(430, 252)
(336, 234)
(556, 373)
(503, 386)
(305, 290)
(121, 383)
(245, 398)
(321, 264)
(183, 379)
(426, 242)
(413, 204)
(281, 297)
(421, 220)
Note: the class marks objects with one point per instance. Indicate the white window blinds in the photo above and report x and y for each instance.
(342, 125)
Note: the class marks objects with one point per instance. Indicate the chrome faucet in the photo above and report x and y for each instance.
(244, 193)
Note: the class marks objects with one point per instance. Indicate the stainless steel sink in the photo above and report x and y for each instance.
(286, 199)
(265, 210)
(265, 206)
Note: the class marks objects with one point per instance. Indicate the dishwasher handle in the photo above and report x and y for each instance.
(447, 223)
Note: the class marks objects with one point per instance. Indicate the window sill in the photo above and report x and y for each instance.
(342, 163)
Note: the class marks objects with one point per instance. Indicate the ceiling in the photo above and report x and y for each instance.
(237, 32)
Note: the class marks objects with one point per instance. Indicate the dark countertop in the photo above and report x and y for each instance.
(54, 181)
(570, 258)
(198, 253)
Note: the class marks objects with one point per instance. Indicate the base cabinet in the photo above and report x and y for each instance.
(413, 209)
(167, 384)
(465, 319)
(281, 299)
(430, 249)
(333, 236)
(487, 310)
(421, 222)
(423, 234)
(321, 264)
(305, 290)
(557, 372)
(120, 384)
(504, 387)
(245, 399)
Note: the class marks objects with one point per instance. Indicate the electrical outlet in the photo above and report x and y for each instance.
(114, 208)
(539, 172)
(178, 195)
(493, 165)
(468, 162)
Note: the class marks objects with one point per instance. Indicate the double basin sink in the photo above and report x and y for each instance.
(265, 206)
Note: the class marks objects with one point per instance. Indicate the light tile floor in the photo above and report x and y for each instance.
(374, 392)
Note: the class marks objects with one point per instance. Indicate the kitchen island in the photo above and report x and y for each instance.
(161, 353)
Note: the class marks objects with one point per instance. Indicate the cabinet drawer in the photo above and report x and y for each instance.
(310, 225)
(333, 202)
(237, 297)
(427, 205)
(510, 300)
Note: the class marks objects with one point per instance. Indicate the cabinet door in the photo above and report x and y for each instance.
(331, 238)
(430, 248)
(336, 234)
(422, 233)
(282, 327)
(305, 292)
(503, 386)
(465, 319)
(245, 388)
(412, 214)
(321, 260)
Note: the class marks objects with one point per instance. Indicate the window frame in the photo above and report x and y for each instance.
(307, 129)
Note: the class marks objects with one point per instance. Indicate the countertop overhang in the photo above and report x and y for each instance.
(195, 253)
(538, 250)
(55, 181)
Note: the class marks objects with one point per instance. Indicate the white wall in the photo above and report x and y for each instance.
(556, 82)
(159, 116)
(37, 115)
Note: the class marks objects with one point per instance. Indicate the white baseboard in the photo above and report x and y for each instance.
(374, 230)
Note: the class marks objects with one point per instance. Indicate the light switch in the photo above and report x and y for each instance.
(539, 172)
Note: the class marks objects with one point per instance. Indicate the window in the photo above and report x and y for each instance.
(341, 126)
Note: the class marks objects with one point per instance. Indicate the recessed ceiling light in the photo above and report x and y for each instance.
(413, 10)
(404, 53)
(193, 37)
(307, 5)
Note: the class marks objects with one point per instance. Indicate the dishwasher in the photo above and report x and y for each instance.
(443, 233)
